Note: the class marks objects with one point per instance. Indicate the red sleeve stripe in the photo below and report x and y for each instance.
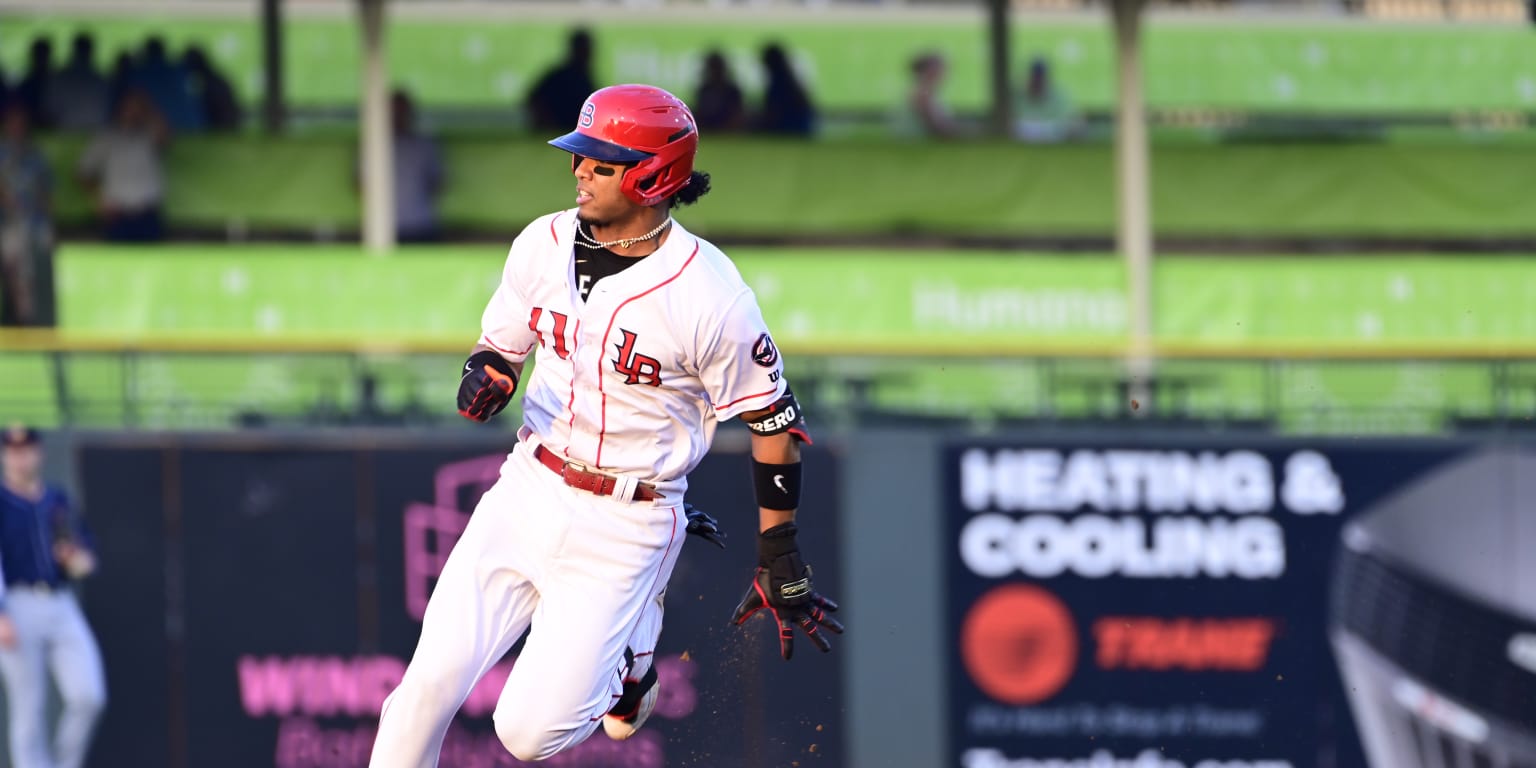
(505, 351)
(748, 397)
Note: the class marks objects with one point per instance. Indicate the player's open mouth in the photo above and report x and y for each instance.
(583, 196)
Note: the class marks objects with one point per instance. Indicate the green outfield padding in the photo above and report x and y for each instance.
(781, 188)
(853, 63)
(850, 301)
(973, 335)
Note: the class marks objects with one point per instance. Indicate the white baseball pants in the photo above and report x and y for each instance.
(587, 572)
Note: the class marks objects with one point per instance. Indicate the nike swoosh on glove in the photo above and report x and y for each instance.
(486, 386)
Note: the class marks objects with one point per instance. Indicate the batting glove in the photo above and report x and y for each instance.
(782, 586)
(704, 526)
(486, 386)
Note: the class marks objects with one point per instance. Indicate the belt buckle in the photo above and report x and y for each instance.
(573, 472)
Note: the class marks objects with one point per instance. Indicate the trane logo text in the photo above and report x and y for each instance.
(776, 423)
(1238, 482)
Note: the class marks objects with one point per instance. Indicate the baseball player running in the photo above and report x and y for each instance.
(648, 338)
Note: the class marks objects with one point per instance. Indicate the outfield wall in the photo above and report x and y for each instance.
(850, 301)
(1168, 594)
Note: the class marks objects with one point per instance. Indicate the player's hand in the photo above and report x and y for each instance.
(77, 561)
(782, 585)
(486, 386)
(7, 633)
(704, 526)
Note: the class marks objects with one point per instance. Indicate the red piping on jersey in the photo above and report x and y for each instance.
(671, 539)
(749, 397)
(570, 405)
(552, 234)
(603, 355)
(493, 345)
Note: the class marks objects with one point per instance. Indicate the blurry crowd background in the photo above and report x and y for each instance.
(129, 111)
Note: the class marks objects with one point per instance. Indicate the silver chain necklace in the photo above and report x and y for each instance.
(626, 242)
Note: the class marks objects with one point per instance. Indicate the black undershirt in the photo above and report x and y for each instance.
(594, 264)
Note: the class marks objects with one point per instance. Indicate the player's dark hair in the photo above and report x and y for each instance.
(697, 187)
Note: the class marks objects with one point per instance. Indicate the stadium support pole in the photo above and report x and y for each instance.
(376, 161)
(1002, 94)
(272, 107)
(1132, 191)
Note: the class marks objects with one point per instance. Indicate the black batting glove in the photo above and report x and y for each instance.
(704, 526)
(782, 586)
(486, 386)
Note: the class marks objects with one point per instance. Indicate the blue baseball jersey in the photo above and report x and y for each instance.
(28, 530)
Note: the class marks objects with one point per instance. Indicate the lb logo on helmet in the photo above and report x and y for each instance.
(587, 110)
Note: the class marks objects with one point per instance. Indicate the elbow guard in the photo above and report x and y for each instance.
(785, 415)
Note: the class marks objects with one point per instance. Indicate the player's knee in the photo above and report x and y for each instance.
(425, 691)
(527, 739)
(86, 702)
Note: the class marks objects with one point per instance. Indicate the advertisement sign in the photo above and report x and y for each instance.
(1124, 605)
(292, 587)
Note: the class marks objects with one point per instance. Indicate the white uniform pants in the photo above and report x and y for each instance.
(588, 572)
(52, 636)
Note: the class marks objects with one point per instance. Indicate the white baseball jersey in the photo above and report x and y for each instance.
(635, 379)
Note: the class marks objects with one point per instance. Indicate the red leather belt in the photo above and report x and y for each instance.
(584, 478)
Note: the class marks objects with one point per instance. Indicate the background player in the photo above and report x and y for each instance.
(648, 339)
(44, 547)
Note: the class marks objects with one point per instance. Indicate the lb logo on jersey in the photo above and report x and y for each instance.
(637, 368)
(764, 353)
(587, 111)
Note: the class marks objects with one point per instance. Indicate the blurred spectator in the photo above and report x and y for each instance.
(169, 86)
(220, 107)
(787, 107)
(32, 90)
(45, 641)
(119, 80)
(79, 99)
(928, 113)
(555, 102)
(418, 174)
(1044, 113)
(122, 168)
(719, 105)
(26, 226)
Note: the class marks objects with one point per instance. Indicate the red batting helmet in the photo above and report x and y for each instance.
(638, 124)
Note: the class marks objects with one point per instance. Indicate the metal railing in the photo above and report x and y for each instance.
(212, 383)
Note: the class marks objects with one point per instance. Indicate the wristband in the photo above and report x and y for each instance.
(777, 485)
(776, 542)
